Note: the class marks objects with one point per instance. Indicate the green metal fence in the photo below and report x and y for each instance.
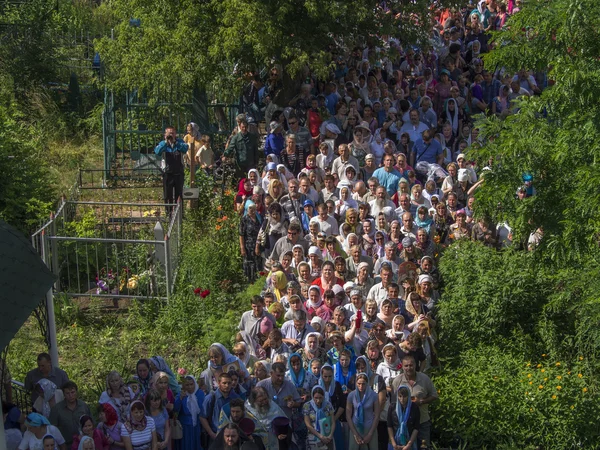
(133, 125)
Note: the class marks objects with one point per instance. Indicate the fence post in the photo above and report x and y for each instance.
(50, 306)
(179, 225)
(168, 266)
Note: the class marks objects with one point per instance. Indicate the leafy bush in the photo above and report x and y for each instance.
(491, 297)
(491, 397)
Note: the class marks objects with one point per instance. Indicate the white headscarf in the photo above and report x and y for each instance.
(195, 131)
(193, 406)
(83, 441)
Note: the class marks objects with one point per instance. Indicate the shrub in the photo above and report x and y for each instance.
(492, 396)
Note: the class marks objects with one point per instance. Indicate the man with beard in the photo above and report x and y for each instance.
(293, 202)
(381, 201)
(262, 411)
(233, 438)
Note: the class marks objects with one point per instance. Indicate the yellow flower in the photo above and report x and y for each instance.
(557, 364)
(528, 375)
(540, 387)
(558, 388)
(538, 366)
(569, 372)
(559, 377)
(530, 409)
(526, 393)
(572, 406)
(585, 389)
(554, 397)
(528, 364)
(531, 382)
(580, 375)
(543, 355)
(581, 358)
(543, 370)
(546, 379)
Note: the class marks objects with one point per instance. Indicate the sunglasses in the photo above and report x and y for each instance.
(293, 123)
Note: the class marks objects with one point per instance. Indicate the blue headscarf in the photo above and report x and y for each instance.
(423, 223)
(339, 376)
(402, 435)
(247, 206)
(359, 414)
(305, 217)
(36, 420)
(320, 412)
(298, 379)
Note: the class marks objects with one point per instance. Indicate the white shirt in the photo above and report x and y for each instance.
(31, 442)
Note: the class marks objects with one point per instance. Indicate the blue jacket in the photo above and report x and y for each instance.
(274, 144)
(173, 155)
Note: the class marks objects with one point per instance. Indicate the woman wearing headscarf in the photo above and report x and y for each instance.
(423, 219)
(319, 418)
(158, 364)
(87, 430)
(380, 241)
(403, 421)
(359, 147)
(86, 443)
(38, 427)
(346, 201)
(110, 426)
(377, 384)
(277, 284)
(312, 167)
(117, 394)
(431, 359)
(249, 229)
(188, 408)
(270, 175)
(194, 140)
(244, 192)
(362, 414)
(254, 177)
(138, 431)
(219, 356)
(48, 396)
(308, 212)
(312, 350)
(363, 281)
(302, 379)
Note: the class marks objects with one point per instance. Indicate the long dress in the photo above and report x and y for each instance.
(191, 432)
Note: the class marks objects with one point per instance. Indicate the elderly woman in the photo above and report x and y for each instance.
(312, 350)
(117, 393)
(158, 364)
(219, 356)
(48, 396)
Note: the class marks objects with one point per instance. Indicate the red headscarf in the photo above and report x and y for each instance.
(110, 413)
(242, 191)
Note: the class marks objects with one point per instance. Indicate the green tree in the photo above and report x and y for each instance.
(214, 44)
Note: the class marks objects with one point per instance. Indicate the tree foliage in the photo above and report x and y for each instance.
(544, 303)
(215, 42)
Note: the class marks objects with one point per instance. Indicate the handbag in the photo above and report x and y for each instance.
(176, 429)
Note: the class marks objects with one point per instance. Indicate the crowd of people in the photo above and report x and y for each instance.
(363, 181)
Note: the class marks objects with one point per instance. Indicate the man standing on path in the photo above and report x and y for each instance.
(172, 165)
(243, 150)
